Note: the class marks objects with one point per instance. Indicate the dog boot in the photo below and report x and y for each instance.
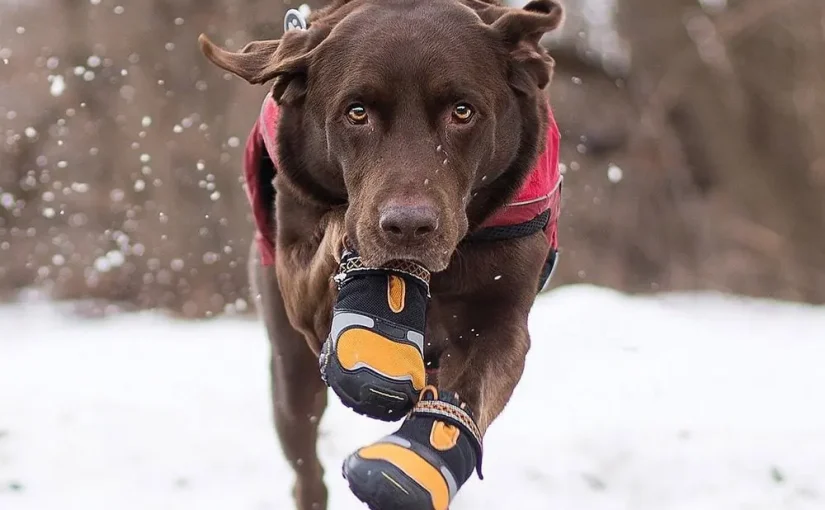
(424, 464)
(374, 356)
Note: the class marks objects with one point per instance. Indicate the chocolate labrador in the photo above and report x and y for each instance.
(412, 136)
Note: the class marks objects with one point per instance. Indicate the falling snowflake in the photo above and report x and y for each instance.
(7, 200)
(614, 173)
(58, 85)
(115, 258)
(102, 265)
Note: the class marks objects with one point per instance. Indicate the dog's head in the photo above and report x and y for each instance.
(422, 115)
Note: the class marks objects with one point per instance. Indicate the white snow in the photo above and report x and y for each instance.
(58, 85)
(614, 173)
(679, 402)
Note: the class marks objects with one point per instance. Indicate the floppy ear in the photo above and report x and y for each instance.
(521, 30)
(286, 61)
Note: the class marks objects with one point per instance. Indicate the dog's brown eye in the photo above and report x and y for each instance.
(463, 113)
(357, 114)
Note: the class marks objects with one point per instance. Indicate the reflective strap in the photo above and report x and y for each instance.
(548, 270)
(352, 264)
(454, 415)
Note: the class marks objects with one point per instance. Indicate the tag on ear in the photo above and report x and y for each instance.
(295, 20)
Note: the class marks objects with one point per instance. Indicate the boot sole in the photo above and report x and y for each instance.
(369, 393)
(383, 486)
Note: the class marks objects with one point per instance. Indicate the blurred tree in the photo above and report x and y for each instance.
(723, 169)
(130, 189)
(693, 147)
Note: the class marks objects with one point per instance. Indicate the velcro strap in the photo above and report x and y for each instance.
(456, 416)
(351, 264)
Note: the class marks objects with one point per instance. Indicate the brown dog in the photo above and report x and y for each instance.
(404, 124)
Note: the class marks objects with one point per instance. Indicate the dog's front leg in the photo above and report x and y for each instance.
(439, 446)
(485, 366)
(305, 265)
(481, 331)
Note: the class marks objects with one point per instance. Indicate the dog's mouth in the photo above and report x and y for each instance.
(430, 258)
(432, 262)
(427, 237)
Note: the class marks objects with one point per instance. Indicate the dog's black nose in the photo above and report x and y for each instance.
(408, 224)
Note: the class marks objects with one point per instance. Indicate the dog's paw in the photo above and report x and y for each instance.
(378, 387)
(424, 464)
(373, 358)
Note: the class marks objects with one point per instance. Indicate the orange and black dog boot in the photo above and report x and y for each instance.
(373, 358)
(424, 464)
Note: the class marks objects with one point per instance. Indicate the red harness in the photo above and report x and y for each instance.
(538, 198)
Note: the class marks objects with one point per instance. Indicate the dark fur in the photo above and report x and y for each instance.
(409, 62)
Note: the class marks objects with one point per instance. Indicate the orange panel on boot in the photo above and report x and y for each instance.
(421, 471)
(392, 359)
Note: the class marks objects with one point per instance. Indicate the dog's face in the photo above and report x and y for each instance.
(407, 110)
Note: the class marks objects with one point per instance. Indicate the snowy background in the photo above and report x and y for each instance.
(120, 190)
(680, 402)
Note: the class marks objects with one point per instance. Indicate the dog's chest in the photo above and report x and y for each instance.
(450, 323)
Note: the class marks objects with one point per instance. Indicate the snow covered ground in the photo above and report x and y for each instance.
(683, 402)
